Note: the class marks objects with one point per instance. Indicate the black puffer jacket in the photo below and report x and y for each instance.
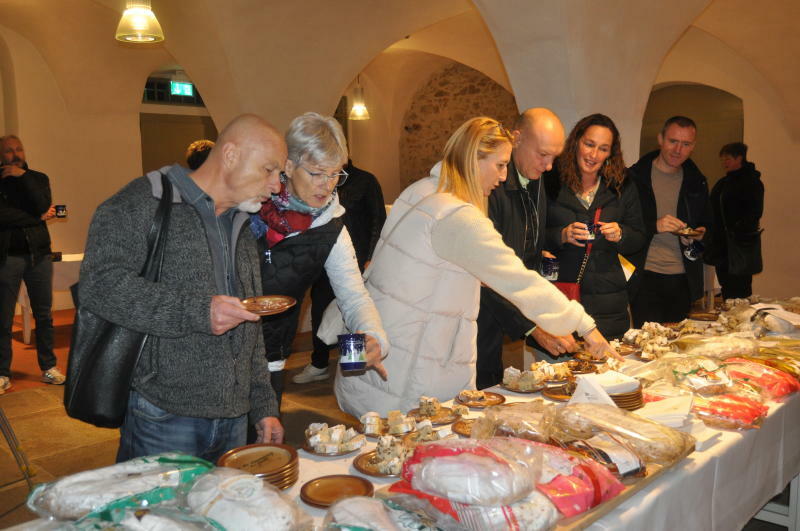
(603, 288)
(741, 195)
(692, 209)
(293, 265)
(23, 200)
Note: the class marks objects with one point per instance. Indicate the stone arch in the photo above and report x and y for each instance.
(450, 97)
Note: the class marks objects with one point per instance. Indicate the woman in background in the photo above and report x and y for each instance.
(590, 176)
(737, 203)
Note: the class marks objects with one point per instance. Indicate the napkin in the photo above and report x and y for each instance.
(588, 389)
(672, 412)
(615, 382)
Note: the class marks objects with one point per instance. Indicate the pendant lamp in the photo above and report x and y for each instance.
(359, 109)
(139, 24)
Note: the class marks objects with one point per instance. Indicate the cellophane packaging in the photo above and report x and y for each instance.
(237, 500)
(140, 482)
(730, 411)
(773, 382)
(502, 483)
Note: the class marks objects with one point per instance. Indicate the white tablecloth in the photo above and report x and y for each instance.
(721, 487)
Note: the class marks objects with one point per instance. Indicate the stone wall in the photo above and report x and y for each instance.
(451, 96)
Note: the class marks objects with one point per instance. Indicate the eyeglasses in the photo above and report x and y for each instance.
(318, 177)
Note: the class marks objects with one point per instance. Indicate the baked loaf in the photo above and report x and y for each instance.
(652, 441)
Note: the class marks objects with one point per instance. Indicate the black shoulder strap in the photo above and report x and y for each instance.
(156, 239)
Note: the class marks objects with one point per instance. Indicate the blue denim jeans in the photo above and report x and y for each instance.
(38, 279)
(149, 430)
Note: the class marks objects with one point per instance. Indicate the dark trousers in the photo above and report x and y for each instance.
(38, 278)
(734, 286)
(321, 297)
(489, 364)
(661, 299)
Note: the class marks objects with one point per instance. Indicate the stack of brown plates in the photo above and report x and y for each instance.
(631, 400)
(276, 464)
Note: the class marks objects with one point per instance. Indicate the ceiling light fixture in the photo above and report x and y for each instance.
(139, 24)
(359, 109)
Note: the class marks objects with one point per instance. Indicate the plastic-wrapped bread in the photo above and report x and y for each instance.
(526, 420)
(74, 496)
(242, 501)
(652, 441)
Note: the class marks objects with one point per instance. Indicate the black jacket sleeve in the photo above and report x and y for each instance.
(632, 224)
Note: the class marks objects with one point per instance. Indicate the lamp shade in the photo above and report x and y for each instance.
(139, 24)
(359, 109)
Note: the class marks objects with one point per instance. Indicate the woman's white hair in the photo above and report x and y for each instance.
(317, 139)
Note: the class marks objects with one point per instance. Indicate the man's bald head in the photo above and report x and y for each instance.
(249, 128)
(245, 163)
(538, 140)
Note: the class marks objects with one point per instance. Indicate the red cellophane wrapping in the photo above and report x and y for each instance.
(773, 382)
(730, 411)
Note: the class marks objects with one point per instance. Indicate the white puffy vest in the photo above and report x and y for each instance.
(428, 307)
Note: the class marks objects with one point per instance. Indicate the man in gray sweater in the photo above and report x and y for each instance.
(203, 370)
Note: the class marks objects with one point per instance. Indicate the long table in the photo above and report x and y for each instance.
(720, 487)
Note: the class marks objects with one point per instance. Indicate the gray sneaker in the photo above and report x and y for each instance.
(5, 383)
(53, 376)
(310, 374)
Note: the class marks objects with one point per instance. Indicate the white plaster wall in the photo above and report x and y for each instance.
(87, 156)
(701, 58)
(579, 57)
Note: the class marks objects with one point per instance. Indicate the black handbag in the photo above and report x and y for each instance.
(744, 249)
(103, 355)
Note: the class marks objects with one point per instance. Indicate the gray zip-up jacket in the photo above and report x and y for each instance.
(185, 369)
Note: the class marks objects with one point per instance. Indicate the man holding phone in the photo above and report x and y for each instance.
(25, 205)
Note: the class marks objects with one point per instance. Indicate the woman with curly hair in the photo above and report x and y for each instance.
(589, 183)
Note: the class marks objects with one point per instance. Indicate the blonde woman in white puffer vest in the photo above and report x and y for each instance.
(436, 248)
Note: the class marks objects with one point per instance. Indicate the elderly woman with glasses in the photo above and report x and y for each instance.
(436, 248)
(301, 233)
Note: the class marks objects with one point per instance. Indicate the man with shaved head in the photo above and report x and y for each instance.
(518, 210)
(202, 372)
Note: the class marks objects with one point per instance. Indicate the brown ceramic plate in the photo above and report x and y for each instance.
(703, 316)
(463, 427)
(536, 390)
(367, 463)
(558, 394)
(268, 304)
(308, 448)
(323, 492)
(260, 459)
(688, 232)
(581, 366)
(492, 399)
(444, 416)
